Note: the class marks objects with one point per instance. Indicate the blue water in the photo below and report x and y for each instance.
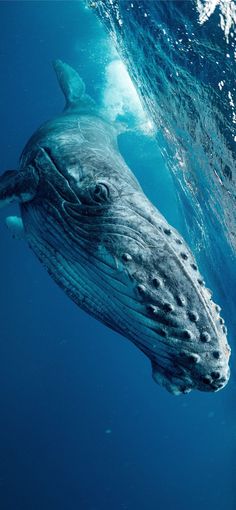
(82, 424)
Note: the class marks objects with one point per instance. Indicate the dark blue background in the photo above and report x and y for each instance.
(82, 424)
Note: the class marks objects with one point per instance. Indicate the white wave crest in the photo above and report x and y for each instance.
(227, 10)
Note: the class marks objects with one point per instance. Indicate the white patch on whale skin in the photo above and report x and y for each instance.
(16, 227)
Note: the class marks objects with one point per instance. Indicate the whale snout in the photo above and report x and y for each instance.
(185, 381)
(188, 370)
(216, 380)
(211, 382)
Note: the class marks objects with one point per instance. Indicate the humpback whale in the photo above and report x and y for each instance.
(85, 216)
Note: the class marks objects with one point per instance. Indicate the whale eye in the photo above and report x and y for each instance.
(100, 193)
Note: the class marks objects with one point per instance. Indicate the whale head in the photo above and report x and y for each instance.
(112, 251)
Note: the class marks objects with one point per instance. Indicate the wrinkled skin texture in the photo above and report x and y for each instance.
(114, 254)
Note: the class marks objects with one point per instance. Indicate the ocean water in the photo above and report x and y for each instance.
(82, 425)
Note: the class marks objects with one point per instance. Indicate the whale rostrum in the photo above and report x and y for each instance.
(88, 221)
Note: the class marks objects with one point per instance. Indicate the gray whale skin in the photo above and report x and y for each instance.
(87, 219)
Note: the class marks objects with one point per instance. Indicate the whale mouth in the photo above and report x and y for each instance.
(60, 178)
(51, 175)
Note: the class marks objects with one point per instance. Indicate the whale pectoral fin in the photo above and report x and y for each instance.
(16, 227)
(19, 186)
(72, 86)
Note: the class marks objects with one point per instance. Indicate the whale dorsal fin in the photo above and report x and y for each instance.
(72, 86)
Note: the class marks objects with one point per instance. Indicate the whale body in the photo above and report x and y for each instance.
(85, 216)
